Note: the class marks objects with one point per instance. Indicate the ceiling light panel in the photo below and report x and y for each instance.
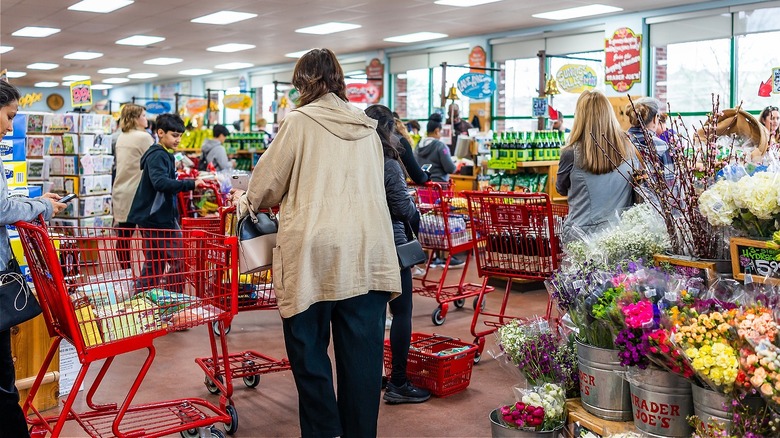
(163, 61)
(578, 12)
(142, 75)
(5, 49)
(35, 32)
(83, 56)
(113, 71)
(76, 78)
(100, 6)
(195, 71)
(47, 84)
(224, 17)
(140, 40)
(42, 66)
(115, 80)
(15, 74)
(464, 3)
(328, 28)
(230, 47)
(416, 37)
(102, 86)
(233, 65)
(297, 54)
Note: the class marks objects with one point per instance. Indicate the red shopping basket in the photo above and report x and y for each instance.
(439, 364)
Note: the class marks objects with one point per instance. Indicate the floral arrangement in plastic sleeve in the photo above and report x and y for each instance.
(540, 409)
(759, 355)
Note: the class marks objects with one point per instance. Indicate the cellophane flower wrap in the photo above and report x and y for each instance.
(542, 408)
(759, 355)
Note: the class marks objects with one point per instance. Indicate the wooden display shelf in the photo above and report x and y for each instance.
(463, 182)
(30, 342)
(578, 415)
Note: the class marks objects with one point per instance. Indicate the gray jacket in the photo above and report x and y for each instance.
(437, 154)
(216, 153)
(15, 210)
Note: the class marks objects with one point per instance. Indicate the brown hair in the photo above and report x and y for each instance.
(400, 128)
(594, 115)
(644, 109)
(318, 73)
(130, 113)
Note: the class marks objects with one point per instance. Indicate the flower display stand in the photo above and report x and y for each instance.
(754, 258)
(706, 270)
(580, 418)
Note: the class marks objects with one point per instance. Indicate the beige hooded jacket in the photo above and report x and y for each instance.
(325, 170)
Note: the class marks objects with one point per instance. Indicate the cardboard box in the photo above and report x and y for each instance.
(95, 144)
(12, 149)
(24, 192)
(16, 246)
(60, 123)
(16, 173)
(96, 124)
(64, 165)
(87, 206)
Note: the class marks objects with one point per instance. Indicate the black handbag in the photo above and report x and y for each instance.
(256, 241)
(17, 302)
(410, 253)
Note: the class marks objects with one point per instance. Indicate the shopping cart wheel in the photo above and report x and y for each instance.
(190, 433)
(476, 300)
(216, 433)
(480, 343)
(252, 381)
(460, 303)
(215, 326)
(232, 427)
(211, 386)
(436, 317)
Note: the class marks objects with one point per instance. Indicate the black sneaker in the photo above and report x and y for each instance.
(456, 263)
(407, 393)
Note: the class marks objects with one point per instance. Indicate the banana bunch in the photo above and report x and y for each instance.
(194, 139)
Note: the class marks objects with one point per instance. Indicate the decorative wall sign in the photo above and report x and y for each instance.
(196, 105)
(237, 101)
(576, 78)
(157, 107)
(478, 59)
(363, 93)
(476, 85)
(29, 99)
(81, 93)
(623, 59)
(375, 71)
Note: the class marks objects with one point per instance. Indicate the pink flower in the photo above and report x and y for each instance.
(638, 314)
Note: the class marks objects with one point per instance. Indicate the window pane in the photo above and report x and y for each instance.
(687, 74)
(566, 102)
(517, 83)
(416, 94)
(453, 74)
(756, 55)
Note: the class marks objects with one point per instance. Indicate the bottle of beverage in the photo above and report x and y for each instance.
(548, 145)
(515, 148)
(494, 147)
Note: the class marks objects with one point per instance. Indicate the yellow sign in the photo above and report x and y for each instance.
(196, 106)
(237, 101)
(29, 99)
(576, 78)
(81, 93)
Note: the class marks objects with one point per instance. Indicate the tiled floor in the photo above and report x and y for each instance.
(270, 409)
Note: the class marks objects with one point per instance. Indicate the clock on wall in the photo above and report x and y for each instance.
(55, 101)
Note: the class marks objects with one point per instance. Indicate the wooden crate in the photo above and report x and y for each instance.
(30, 342)
(705, 270)
(578, 415)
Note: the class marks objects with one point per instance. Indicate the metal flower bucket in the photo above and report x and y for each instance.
(603, 391)
(499, 430)
(714, 407)
(662, 403)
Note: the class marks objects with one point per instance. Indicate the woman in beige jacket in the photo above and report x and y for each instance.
(130, 146)
(335, 265)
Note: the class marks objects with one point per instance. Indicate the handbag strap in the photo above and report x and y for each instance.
(408, 230)
(252, 213)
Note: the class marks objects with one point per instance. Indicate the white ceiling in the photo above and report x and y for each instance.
(273, 31)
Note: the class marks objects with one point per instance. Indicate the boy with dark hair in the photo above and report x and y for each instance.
(154, 206)
(214, 152)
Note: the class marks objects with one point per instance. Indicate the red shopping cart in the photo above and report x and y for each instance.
(203, 201)
(517, 236)
(105, 311)
(255, 292)
(444, 228)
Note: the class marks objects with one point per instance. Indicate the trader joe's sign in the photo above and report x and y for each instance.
(623, 55)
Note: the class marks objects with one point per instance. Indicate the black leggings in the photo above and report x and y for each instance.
(401, 328)
(124, 232)
(14, 424)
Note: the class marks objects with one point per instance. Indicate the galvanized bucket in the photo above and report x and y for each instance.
(499, 430)
(711, 407)
(603, 391)
(662, 403)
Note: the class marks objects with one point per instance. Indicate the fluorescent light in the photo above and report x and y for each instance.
(326, 28)
(100, 6)
(83, 55)
(115, 80)
(142, 75)
(233, 65)
(66, 83)
(297, 54)
(224, 17)
(113, 70)
(42, 66)
(76, 78)
(140, 40)
(464, 3)
(15, 74)
(230, 47)
(47, 84)
(416, 37)
(35, 32)
(195, 72)
(578, 12)
(5, 49)
(102, 87)
(163, 61)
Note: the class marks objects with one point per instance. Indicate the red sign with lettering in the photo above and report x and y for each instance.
(623, 55)
(478, 58)
(376, 74)
(363, 93)
(655, 414)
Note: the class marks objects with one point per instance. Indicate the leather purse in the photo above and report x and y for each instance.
(410, 253)
(256, 241)
(17, 302)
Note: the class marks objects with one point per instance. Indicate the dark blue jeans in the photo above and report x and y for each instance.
(358, 341)
(162, 249)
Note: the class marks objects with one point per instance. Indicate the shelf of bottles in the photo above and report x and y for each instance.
(509, 149)
(245, 142)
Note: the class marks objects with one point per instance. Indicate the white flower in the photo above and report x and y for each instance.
(717, 203)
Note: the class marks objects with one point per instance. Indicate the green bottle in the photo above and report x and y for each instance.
(494, 147)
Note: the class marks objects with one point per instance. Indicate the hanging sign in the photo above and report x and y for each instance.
(476, 85)
(622, 62)
(80, 93)
(375, 71)
(29, 99)
(157, 107)
(540, 107)
(477, 59)
(237, 101)
(196, 105)
(363, 93)
(576, 78)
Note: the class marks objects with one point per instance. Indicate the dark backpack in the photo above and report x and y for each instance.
(203, 165)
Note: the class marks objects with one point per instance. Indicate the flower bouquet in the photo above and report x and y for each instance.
(540, 409)
(749, 204)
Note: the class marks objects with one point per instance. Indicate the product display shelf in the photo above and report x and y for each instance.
(551, 169)
(579, 418)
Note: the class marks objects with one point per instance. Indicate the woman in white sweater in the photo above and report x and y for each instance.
(130, 146)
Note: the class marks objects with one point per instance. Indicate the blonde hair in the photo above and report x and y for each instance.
(130, 114)
(400, 127)
(644, 109)
(594, 117)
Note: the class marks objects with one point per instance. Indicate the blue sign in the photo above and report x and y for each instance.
(157, 107)
(540, 107)
(476, 85)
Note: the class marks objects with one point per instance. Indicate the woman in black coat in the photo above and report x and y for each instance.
(402, 211)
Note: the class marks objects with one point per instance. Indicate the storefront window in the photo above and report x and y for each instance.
(453, 74)
(756, 56)
(566, 102)
(517, 84)
(417, 88)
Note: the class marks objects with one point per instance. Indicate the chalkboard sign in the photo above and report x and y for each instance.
(752, 257)
(689, 267)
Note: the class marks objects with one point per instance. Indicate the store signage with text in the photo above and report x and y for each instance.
(576, 78)
(476, 85)
(157, 107)
(478, 59)
(375, 71)
(623, 59)
(81, 93)
(363, 93)
(237, 101)
(540, 107)
(196, 105)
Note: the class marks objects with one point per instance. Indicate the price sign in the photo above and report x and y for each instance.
(754, 258)
(540, 107)
(81, 93)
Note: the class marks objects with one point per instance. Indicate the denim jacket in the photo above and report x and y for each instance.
(14, 210)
